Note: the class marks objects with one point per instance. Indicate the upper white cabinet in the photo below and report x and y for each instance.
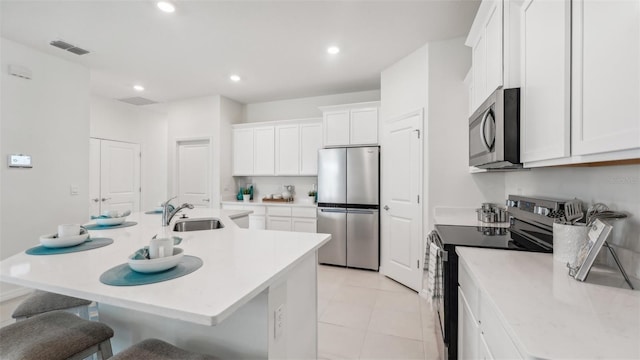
(546, 70)
(243, 151)
(287, 147)
(351, 124)
(580, 88)
(606, 76)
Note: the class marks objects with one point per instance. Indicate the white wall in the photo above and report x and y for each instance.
(115, 120)
(46, 117)
(449, 181)
(616, 186)
(303, 108)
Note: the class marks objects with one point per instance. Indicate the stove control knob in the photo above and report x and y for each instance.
(512, 203)
(541, 210)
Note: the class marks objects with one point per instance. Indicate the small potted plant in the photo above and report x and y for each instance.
(246, 195)
(312, 196)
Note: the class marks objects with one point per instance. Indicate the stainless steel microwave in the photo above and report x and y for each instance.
(494, 131)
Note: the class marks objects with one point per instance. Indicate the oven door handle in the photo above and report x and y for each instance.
(444, 255)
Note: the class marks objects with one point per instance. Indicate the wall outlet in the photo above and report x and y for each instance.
(279, 322)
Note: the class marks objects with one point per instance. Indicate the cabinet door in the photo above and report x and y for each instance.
(479, 72)
(468, 330)
(287, 149)
(364, 127)
(310, 143)
(336, 128)
(483, 349)
(545, 92)
(242, 151)
(606, 73)
(264, 150)
(303, 225)
(493, 42)
(279, 223)
(257, 222)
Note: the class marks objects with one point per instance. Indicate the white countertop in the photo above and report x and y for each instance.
(238, 265)
(296, 203)
(462, 216)
(548, 314)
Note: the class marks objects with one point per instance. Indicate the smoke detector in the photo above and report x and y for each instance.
(69, 47)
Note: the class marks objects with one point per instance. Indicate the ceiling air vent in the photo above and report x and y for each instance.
(69, 47)
(138, 101)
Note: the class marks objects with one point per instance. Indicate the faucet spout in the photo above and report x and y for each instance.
(168, 211)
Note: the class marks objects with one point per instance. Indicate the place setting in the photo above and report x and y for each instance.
(161, 260)
(69, 238)
(110, 219)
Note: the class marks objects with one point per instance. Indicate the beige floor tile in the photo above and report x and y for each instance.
(363, 278)
(398, 301)
(327, 290)
(356, 295)
(338, 342)
(396, 323)
(322, 305)
(391, 285)
(348, 315)
(378, 346)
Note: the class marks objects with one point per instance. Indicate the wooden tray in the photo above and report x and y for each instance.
(277, 200)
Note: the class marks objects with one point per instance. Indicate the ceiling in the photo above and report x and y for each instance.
(277, 47)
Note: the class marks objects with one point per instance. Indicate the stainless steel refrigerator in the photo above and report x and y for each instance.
(348, 206)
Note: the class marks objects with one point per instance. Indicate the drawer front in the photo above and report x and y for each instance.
(232, 207)
(257, 209)
(469, 287)
(279, 210)
(305, 212)
(497, 339)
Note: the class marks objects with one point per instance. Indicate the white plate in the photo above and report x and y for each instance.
(110, 221)
(156, 265)
(52, 241)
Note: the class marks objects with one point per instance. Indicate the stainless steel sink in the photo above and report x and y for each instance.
(197, 224)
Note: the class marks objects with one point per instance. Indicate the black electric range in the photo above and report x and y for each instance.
(531, 229)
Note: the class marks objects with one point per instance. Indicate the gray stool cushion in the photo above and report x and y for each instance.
(54, 335)
(154, 349)
(41, 302)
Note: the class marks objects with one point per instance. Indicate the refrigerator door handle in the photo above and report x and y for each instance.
(334, 211)
(368, 212)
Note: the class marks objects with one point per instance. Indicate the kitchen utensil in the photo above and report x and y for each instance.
(155, 265)
(595, 208)
(606, 214)
(572, 211)
(55, 241)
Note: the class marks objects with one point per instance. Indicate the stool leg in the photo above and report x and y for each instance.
(105, 351)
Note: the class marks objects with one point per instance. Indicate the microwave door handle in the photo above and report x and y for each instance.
(483, 123)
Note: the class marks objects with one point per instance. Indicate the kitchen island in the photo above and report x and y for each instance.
(517, 304)
(226, 308)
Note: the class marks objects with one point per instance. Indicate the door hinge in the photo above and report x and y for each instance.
(418, 131)
(140, 189)
(418, 263)
(418, 199)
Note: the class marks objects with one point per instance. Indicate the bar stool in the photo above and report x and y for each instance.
(55, 335)
(40, 302)
(158, 350)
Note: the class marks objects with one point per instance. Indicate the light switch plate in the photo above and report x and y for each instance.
(279, 322)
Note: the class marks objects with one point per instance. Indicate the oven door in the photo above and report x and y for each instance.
(439, 297)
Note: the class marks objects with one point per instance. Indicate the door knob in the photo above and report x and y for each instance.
(386, 208)
(105, 199)
(95, 199)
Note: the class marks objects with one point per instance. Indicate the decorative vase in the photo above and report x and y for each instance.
(246, 197)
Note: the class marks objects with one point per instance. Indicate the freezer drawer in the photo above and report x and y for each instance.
(363, 241)
(362, 175)
(332, 176)
(333, 221)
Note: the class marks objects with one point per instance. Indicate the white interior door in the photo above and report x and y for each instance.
(94, 176)
(119, 176)
(402, 193)
(193, 178)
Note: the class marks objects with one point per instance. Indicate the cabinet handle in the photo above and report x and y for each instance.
(105, 199)
(95, 199)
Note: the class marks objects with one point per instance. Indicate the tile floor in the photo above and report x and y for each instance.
(365, 315)
(361, 315)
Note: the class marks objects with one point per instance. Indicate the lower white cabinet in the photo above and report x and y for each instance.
(282, 218)
(257, 222)
(481, 335)
(281, 223)
(303, 225)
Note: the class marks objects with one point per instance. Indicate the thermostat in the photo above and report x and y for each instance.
(19, 161)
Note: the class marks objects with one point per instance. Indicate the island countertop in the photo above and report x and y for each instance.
(237, 265)
(550, 315)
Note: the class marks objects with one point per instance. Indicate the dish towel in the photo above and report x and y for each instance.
(434, 271)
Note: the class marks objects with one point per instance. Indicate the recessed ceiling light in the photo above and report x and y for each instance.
(138, 87)
(166, 6)
(234, 78)
(333, 50)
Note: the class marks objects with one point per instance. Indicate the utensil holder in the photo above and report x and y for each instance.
(567, 241)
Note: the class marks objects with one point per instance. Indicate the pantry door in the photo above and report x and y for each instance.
(119, 176)
(402, 199)
(194, 172)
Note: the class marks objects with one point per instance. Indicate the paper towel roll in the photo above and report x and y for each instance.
(567, 241)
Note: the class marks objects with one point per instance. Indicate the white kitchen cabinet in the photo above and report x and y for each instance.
(303, 225)
(281, 223)
(350, 124)
(310, 143)
(257, 219)
(257, 222)
(243, 151)
(605, 76)
(288, 149)
(545, 91)
(468, 330)
(264, 150)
